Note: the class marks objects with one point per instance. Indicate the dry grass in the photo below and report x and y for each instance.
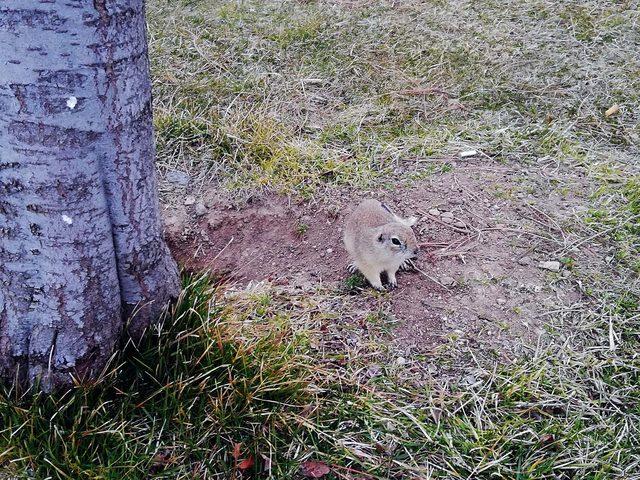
(299, 96)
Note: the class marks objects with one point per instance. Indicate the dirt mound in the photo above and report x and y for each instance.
(272, 240)
(480, 280)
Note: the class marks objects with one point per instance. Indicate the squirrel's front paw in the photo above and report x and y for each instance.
(408, 266)
(351, 268)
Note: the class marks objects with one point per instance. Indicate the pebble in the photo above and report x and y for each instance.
(524, 261)
(176, 176)
(201, 209)
(468, 153)
(400, 361)
(447, 281)
(447, 215)
(189, 200)
(329, 250)
(447, 219)
(501, 301)
(469, 379)
(552, 265)
(435, 212)
(460, 224)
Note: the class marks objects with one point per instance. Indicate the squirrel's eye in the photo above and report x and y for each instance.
(395, 241)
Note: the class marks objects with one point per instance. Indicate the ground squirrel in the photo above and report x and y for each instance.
(379, 241)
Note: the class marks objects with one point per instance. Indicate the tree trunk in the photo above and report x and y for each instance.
(81, 242)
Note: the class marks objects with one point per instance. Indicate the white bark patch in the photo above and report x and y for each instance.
(72, 102)
(66, 219)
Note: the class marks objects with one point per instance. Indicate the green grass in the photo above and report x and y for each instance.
(173, 405)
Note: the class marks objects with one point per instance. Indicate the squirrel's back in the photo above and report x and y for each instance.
(369, 214)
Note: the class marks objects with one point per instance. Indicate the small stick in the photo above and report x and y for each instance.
(220, 252)
(519, 230)
(433, 244)
(455, 252)
(431, 217)
(431, 278)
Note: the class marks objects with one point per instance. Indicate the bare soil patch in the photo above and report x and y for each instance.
(480, 279)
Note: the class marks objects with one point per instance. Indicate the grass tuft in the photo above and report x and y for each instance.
(203, 380)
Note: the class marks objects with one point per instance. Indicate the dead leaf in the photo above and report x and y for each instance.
(612, 110)
(436, 413)
(246, 463)
(547, 439)
(308, 410)
(160, 461)
(236, 450)
(314, 469)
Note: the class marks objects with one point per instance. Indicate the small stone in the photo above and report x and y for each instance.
(612, 110)
(400, 361)
(469, 379)
(565, 274)
(460, 224)
(447, 281)
(447, 215)
(447, 219)
(552, 265)
(501, 301)
(189, 200)
(178, 177)
(201, 209)
(536, 288)
(435, 212)
(468, 153)
(524, 261)
(329, 250)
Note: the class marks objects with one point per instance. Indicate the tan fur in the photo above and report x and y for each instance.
(369, 234)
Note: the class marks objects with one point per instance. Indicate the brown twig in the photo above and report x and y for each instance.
(431, 278)
(431, 217)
